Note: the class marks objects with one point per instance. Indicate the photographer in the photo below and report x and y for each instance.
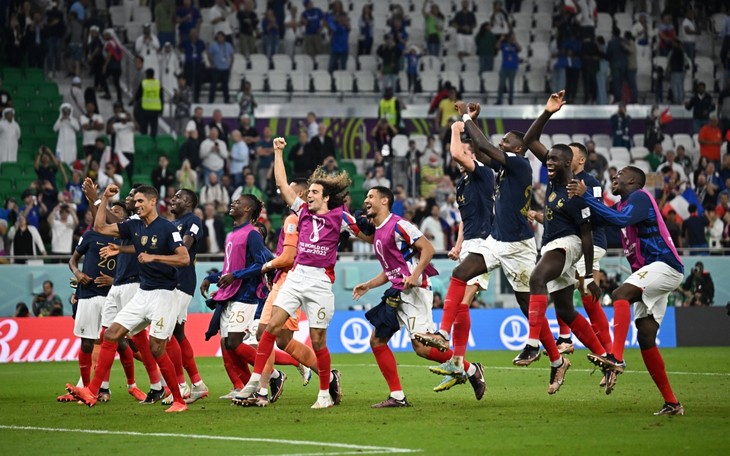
(47, 303)
(63, 222)
(698, 288)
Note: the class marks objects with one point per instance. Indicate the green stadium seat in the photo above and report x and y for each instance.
(35, 75)
(7, 184)
(54, 103)
(12, 75)
(348, 166)
(12, 170)
(357, 181)
(167, 145)
(23, 182)
(48, 90)
(25, 91)
(228, 224)
(275, 220)
(358, 197)
(144, 145)
(142, 178)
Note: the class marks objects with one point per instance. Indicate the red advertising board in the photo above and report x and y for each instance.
(52, 339)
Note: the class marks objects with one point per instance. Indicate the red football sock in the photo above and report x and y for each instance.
(386, 362)
(324, 364)
(548, 341)
(142, 342)
(85, 367)
(188, 358)
(621, 324)
(583, 331)
(126, 357)
(454, 296)
(246, 354)
(282, 358)
(655, 366)
(168, 373)
(266, 346)
(103, 365)
(462, 325)
(438, 356)
(563, 327)
(536, 314)
(599, 322)
(173, 351)
(232, 370)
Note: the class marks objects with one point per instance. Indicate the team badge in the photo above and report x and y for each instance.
(552, 197)
(154, 241)
(143, 240)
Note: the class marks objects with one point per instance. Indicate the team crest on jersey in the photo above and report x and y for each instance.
(552, 197)
(154, 241)
(560, 203)
(144, 240)
(179, 227)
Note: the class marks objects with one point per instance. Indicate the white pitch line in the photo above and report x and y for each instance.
(359, 449)
(421, 366)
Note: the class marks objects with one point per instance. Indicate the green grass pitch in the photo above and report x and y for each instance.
(516, 416)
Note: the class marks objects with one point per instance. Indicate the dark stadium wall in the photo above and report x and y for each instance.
(703, 326)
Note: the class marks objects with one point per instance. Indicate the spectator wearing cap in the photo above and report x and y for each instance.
(187, 18)
(9, 136)
(221, 55)
(311, 20)
(165, 21)
(150, 97)
(147, 46)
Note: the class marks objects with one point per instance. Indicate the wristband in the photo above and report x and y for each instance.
(97, 202)
(268, 265)
(466, 117)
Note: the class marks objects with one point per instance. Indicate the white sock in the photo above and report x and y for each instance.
(255, 378)
(472, 370)
(156, 386)
(323, 393)
(533, 342)
(557, 363)
(264, 391)
(105, 385)
(133, 385)
(398, 395)
(443, 333)
(198, 384)
(80, 383)
(275, 374)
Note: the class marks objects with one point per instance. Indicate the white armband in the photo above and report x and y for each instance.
(466, 117)
(97, 202)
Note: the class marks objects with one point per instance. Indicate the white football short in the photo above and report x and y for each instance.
(572, 246)
(517, 259)
(183, 303)
(88, 317)
(463, 43)
(311, 289)
(237, 317)
(157, 308)
(657, 280)
(598, 253)
(474, 246)
(118, 297)
(414, 311)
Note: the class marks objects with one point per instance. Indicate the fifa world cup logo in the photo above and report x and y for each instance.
(317, 224)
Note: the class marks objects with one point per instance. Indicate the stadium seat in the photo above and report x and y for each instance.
(470, 82)
(471, 64)
(639, 152)
(322, 61)
(343, 81)
(142, 14)
(561, 139)
(351, 63)
(399, 145)
(535, 82)
(420, 140)
(490, 81)
(367, 63)
(365, 81)
(282, 62)
(166, 145)
(430, 63)
(430, 81)
(546, 140)
(258, 62)
(451, 76)
(278, 81)
(452, 63)
(119, 15)
(303, 63)
(685, 140)
(620, 154)
(668, 142)
(603, 140)
(581, 138)
(256, 78)
(300, 81)
(144, 144)
(643, 165)
(322, 81)
(638, 139)
(350, 167)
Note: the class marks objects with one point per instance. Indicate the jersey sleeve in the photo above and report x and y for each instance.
(83, 246)
(407, 232)
(516, 163)
(174, 239)
(195, 230)
(637, 209)
(291, 230)
(126, 228)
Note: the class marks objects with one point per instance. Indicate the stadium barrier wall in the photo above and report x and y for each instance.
(18, 283)
(52, 339)
(703, 326)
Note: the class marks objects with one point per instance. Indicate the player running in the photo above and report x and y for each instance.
(160, 251)
(321, 220)
(657, 271)
(405, 256)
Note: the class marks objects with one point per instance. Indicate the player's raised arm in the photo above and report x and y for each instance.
(532, 136)
(485, 151)
(457, 147)
(100, 224)
(287, 194)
